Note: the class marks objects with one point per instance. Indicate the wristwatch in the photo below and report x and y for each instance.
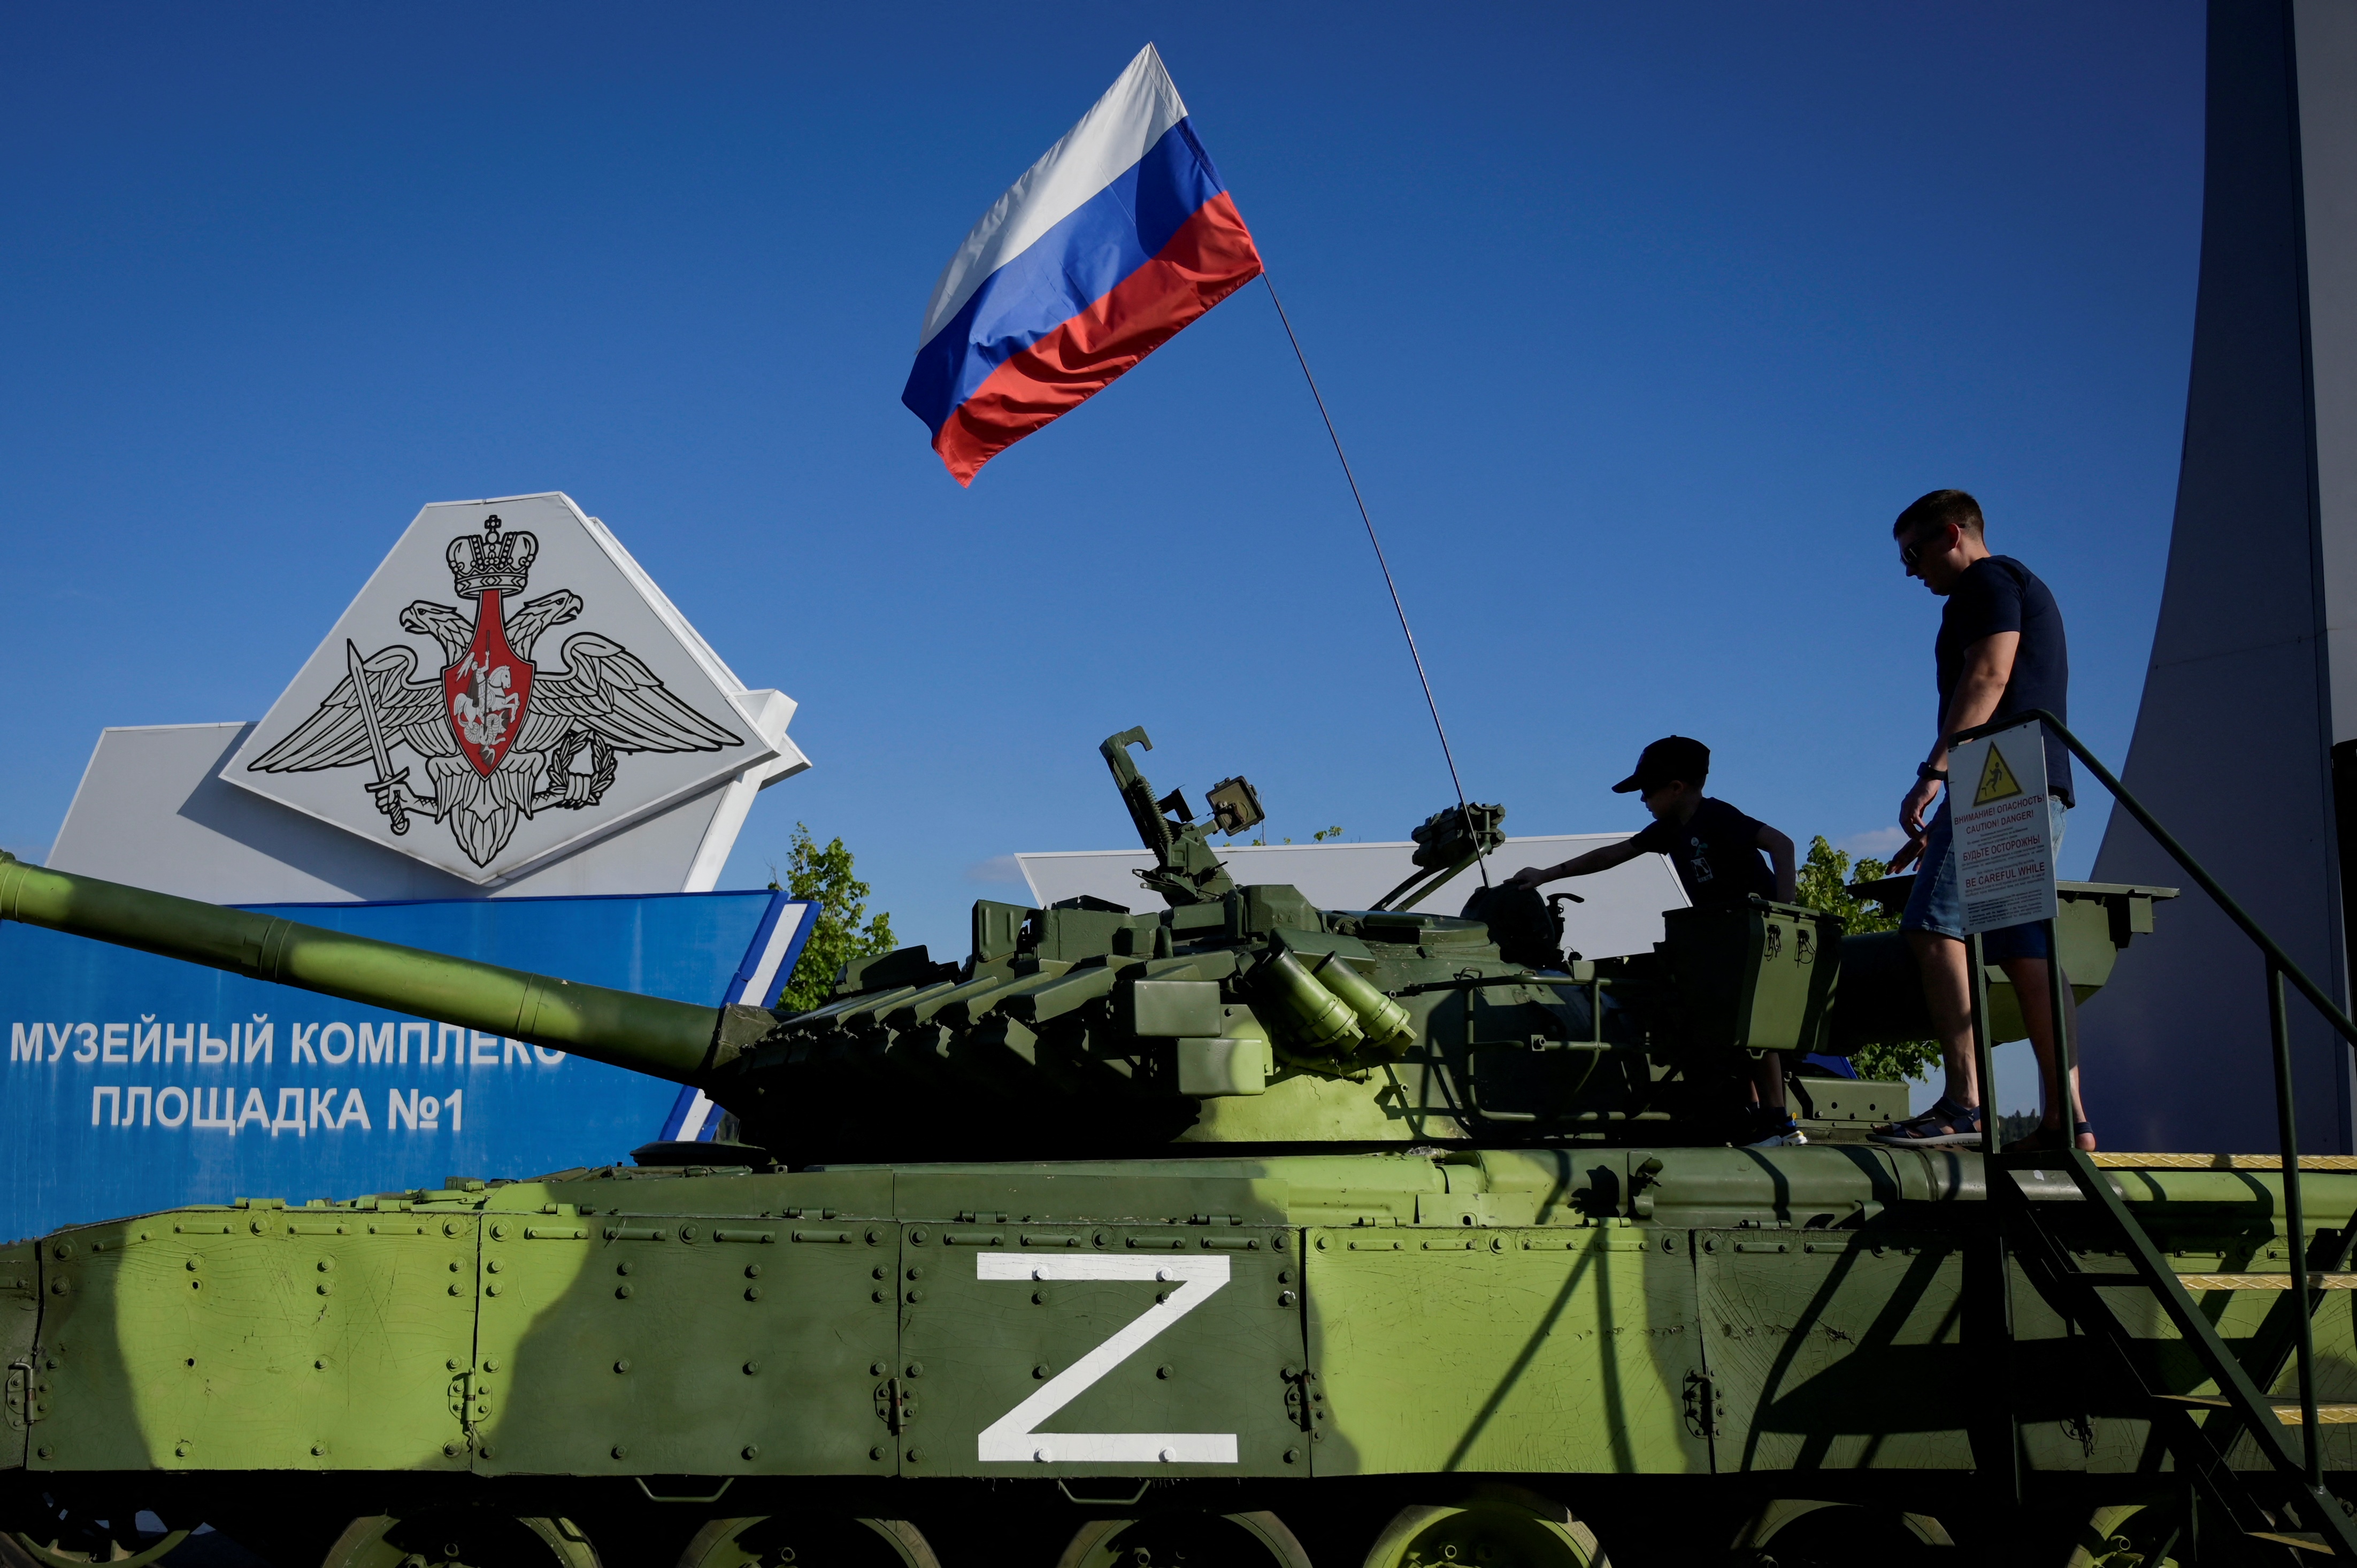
(1925, 771)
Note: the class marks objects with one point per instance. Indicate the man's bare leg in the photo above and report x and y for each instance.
(1767, 1081)
(1947, 992)
(2030, 991)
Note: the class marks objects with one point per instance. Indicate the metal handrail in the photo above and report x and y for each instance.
(2279, 967)
(2177, 853)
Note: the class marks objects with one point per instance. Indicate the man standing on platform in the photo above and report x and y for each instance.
(2000, 651)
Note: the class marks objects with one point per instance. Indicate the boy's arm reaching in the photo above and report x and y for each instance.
(1587, 864)
(1780, 856)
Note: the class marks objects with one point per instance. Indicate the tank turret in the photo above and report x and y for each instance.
(1231, 1018)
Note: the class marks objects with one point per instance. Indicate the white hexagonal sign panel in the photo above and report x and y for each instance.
(509, 686)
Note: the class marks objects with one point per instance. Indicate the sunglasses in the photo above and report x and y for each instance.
(1912, 554)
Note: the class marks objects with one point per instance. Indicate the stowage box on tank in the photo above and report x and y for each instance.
(1233, 1232)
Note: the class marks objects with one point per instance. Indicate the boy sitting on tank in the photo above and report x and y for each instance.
(1718, 853)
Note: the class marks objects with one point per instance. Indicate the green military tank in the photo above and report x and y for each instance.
(1235, 1232)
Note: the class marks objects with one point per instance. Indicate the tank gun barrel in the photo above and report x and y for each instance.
(653, 1035)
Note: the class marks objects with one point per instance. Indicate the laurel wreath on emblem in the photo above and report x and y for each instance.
(500, 737)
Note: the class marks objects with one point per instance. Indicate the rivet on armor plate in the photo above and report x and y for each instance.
(751, 1367)
(1041, 1370)
(752, 1450)
(752, 1292)
(620, 1451)
(620, 1291)
(623, 1365)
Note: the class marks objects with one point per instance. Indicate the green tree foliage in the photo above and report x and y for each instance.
(823, 872)
(1824, 882)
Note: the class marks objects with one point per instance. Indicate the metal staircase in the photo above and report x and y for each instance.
(2288, 1505)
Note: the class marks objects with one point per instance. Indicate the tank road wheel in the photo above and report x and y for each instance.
(2131, 1535)
(460, 1537)
(1185, 1541)
(1798, 1532)
(818, 1542)
(1506, 1530)
(113, 1530)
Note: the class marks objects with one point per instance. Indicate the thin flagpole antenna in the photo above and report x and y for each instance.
(1399, 609)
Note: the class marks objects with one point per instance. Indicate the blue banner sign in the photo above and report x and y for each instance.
(135, 1082)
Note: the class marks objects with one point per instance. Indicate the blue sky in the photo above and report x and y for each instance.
(1641, 322)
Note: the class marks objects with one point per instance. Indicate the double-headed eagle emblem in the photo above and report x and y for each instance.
(502, 737)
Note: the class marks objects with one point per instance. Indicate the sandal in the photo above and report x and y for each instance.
(2045, 1140)
(1945, 1126)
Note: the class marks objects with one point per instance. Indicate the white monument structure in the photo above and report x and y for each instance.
(509, 707)
(2245, 744)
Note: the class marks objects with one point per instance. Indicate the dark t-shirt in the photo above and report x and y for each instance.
(1997, 594)
(1716, 853)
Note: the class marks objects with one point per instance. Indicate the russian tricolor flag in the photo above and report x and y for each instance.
(1117, 239)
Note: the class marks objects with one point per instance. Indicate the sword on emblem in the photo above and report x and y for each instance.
(387, 780)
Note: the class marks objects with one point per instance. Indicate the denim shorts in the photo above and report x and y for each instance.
(1938, 905)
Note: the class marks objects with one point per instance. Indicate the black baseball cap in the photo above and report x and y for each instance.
(1672, 757)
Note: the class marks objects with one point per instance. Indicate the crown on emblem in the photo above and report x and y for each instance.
(491, 560)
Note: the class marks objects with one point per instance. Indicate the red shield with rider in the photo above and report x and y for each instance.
(484, 694)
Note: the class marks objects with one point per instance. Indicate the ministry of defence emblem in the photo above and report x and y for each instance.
(502, 737)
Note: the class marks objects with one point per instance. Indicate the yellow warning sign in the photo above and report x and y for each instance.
(1997, 781)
